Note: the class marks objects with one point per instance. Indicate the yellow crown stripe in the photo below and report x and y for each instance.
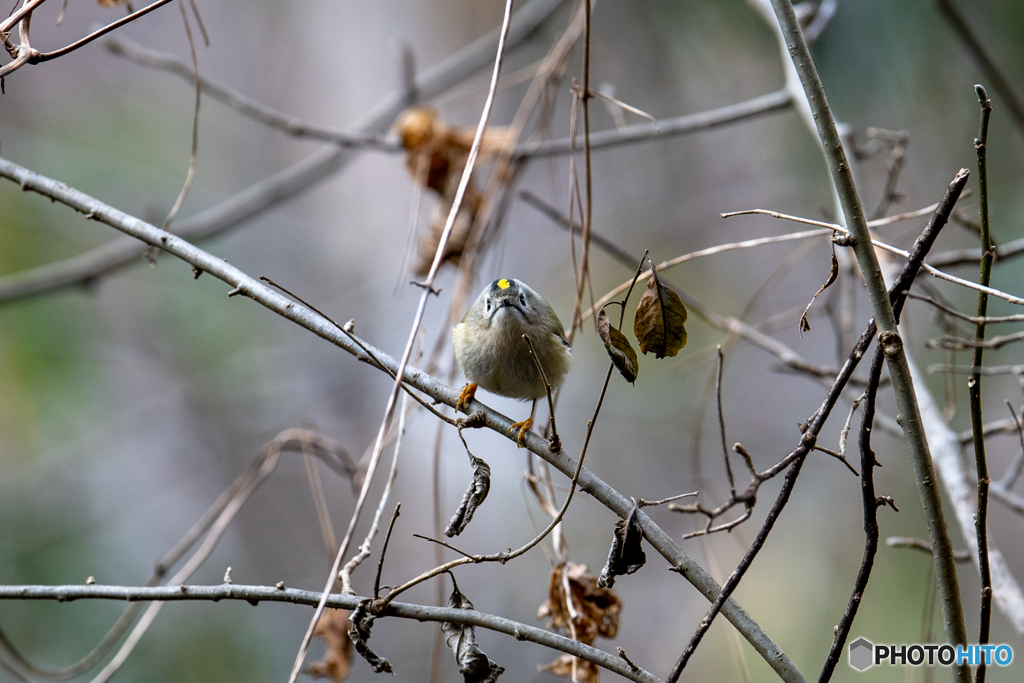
(503, 284)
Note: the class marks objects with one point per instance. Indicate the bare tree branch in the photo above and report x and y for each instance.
(256, 594)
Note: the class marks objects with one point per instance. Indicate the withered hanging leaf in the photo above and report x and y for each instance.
(596, 609)
(833, 273)
(359, 634)
(436, 156)
(627, 554)
(474, 665)
(594, 612)
(111, 3)
(333, 628)
(619, 349)
(472, 499)
(658, 324)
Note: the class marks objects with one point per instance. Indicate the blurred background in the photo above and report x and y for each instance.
(128, 405)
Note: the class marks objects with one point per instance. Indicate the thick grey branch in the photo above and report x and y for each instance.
(256, 594)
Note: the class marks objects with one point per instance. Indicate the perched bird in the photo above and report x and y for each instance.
(493, 354)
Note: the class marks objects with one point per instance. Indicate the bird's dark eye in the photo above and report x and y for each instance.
(522, 299)
(488, 305)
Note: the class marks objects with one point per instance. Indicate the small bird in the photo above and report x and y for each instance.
(493, 354)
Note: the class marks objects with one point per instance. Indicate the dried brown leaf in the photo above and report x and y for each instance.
(619, 349)
(472, 499)
(111, 3)
(474, 665)
(627, 554)
(595, 611)
(658, 324)
(436, 156)
(833, 273)
(333, 628)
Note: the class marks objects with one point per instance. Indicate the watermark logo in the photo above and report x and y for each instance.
(865, 654)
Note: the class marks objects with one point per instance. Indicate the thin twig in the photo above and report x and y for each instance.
(974, 384)
(36, 57)
(721, 423)
(963, 257)
(974, 319)
(384, 551)
(643, 132)
(645, 503)
(345, 574)
(194, 153)
(869, 503)
(918, 544)
(246, 106)
(931, 270)
(554, 443)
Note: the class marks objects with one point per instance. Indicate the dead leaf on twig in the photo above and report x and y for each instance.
(619, 349)
(436, 156)
(359, 634)
(658, 324)
(627, 554)
(474, 665)
(833, 273)
(333, 628)
(111, 3)
(472, 499)
(577, 606)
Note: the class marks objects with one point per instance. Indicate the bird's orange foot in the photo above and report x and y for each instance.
(523, 427)
(468, 392)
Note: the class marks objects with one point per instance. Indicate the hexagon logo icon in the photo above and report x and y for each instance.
(861, 654)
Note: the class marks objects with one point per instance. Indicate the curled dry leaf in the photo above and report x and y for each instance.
(111, 3)
(474, 665)
(333, 628)
(627, 554)
(472, 499)
(658, 324)
(436, 156)
(584, 612)
(833, 273)
(619, 349)
(359, 634)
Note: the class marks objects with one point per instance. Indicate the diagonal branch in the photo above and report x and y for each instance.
(242, 283)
